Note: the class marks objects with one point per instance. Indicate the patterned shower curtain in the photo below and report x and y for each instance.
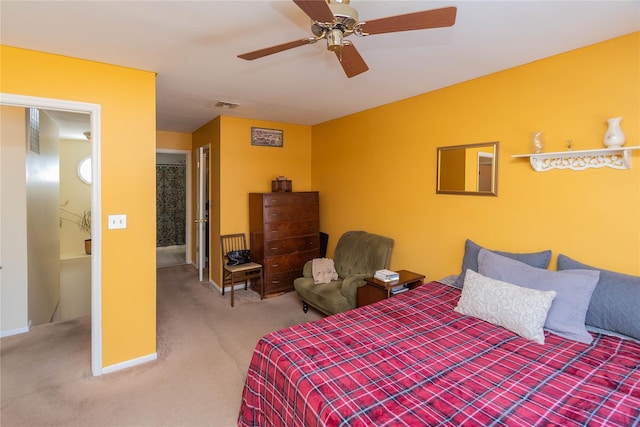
(170, 205)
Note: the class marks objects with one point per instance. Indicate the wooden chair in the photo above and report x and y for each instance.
(232, 274)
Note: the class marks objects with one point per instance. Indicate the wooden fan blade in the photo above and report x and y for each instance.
(318, 10)
(444, 17)
(250, 56)
(351, 61)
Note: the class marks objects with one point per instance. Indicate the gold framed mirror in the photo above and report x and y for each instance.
(470, 169)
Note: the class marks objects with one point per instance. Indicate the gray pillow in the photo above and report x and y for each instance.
(470, 259)
(573, 291)
(615, 303)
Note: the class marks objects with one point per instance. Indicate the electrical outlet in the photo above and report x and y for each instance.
(117, 222)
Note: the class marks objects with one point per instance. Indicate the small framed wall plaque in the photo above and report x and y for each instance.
(266, 137)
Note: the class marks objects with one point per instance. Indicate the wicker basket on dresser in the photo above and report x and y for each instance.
(284, 235)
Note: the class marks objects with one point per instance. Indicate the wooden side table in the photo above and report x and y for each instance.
(375, 290)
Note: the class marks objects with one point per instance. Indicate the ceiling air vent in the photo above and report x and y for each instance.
(226, 105)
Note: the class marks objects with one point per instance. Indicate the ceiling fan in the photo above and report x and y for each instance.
(336, 20)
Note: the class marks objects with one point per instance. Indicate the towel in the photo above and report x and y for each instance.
(323, 270)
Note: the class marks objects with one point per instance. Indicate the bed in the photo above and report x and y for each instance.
(412, 360)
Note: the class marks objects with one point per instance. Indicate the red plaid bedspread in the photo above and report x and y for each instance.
(412, 361)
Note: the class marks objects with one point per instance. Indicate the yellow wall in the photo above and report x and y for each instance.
(173, 140)
(239, 168)
(472, 168)
(453, 170)
(380, 174)
(127, 99)
(208, 136)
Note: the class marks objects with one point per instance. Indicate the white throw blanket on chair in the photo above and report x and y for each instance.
(323, 270)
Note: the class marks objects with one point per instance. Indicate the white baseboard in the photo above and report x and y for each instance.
(130, 363)
(14, 332)
(236, 287)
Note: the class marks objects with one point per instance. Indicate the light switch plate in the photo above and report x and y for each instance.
(117, 222)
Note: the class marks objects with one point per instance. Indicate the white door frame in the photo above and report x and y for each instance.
(94, 110)
(187, 155)
(200, 219)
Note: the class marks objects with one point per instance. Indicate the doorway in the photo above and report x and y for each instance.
(485, 172)
(18, 298)
(173, 207)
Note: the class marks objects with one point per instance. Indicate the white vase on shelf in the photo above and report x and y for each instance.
(536, 142)
(614, 137)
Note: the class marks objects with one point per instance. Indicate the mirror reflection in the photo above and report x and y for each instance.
(468, 169)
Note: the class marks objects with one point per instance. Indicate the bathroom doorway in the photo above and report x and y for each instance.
(173, 190)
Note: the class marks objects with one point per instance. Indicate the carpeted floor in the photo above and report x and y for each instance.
(167, 256)
(204, 348)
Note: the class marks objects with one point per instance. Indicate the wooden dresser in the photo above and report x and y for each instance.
(284, 234)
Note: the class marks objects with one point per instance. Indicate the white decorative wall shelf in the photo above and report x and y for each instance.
(616, 158)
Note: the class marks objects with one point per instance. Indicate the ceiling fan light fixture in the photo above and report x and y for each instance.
(336, 20)
(343, 12)
(334, 39)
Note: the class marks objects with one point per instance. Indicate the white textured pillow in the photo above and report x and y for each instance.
(520, 310)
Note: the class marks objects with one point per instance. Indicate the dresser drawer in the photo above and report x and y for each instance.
(282, 230)
(279, 199)
(280, 282)
(289, 262)
(288, 246)
(290, 212)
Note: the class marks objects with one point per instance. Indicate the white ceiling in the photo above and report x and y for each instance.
(71, 125)
(192, 46)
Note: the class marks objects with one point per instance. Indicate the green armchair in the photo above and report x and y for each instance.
(358, 255)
